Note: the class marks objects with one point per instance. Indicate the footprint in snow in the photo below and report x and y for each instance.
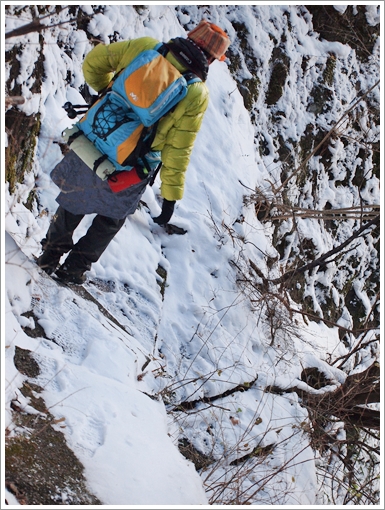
(91, 435)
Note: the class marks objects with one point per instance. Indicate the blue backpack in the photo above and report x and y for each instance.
(122, 123)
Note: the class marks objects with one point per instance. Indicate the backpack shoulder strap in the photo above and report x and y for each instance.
(191, 77)
(162, 49)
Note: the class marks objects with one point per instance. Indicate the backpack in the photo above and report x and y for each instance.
(122, 123)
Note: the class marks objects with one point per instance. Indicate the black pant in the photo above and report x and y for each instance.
(90, 247)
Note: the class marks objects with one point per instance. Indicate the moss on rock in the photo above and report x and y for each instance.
(22, 132)
(280, 70)
(40, 469)
(328, 75)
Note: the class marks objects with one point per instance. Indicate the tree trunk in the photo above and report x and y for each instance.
(344, 403)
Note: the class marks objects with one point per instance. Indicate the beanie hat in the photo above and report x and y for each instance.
(210, 38)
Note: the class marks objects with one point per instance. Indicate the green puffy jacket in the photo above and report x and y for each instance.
(177, 130)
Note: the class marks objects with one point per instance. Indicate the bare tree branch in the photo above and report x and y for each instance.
(36, 25)
(321, 260)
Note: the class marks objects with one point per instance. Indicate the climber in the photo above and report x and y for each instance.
(83, 192)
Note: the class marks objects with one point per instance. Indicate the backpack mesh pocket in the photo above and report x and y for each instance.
(109, 117)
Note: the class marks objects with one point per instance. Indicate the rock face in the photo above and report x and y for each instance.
(269, 80)
(351, 27)
(276, 79)
(40, 468)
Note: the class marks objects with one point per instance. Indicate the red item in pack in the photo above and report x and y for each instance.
(120, 181)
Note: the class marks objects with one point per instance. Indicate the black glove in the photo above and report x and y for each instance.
(167, 211)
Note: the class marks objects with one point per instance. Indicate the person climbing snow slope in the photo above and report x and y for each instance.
(84, 192)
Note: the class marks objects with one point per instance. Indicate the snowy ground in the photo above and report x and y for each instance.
(198, 340)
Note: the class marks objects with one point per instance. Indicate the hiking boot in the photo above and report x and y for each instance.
(48, 261)
(68, 274)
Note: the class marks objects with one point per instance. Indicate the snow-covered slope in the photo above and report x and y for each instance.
(198, 356)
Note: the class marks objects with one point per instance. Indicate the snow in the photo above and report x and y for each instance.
(202, 337)
(340, 8)
(373, 14)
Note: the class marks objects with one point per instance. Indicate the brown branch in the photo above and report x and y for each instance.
(14, 100)
(36, 26)
(328, 322)
(285, 212)
(360, 346)
(321, 260)
(191, 404)
(363, 418)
